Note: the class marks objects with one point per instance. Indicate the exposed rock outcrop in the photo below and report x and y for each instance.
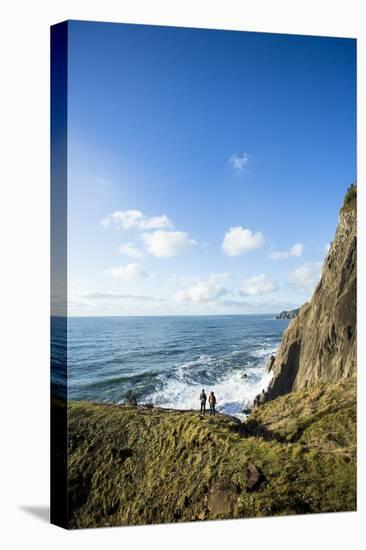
(224, 495)
(290, 314)
(255, 477)
(319, 345)
(131, 399)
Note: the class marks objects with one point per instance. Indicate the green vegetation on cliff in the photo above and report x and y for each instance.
(134, 465)
(350, 199)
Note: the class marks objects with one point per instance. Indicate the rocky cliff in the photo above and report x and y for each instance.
(319, 345)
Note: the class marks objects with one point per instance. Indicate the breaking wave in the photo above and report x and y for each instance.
(166, 361)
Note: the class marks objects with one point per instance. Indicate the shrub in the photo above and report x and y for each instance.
(351, 196)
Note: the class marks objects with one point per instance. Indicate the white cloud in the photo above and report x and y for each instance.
(305, 277)
(327, 248)
(155, 222)
(129, 272)
(103, 181)
(106, 222)
(128, 219)
(257, 285)
(185, 281)
(239, 240)
(219, 277)
(130, 250)
(203, 291)
(165, 244)
(238, 162)
(295, 250)
(107, 296)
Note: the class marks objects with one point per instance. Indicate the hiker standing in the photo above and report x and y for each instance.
(262, 397)
(203, 399)
(212, 402)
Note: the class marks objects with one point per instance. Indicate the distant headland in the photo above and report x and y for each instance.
(290, 314)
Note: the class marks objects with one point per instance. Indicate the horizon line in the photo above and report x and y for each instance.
(169, 315)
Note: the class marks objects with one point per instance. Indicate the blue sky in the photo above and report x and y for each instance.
(206, 168)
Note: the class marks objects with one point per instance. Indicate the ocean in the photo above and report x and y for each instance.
(166, 361)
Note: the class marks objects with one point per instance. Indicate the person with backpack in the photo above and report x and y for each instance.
(203, 399)
(212, 403)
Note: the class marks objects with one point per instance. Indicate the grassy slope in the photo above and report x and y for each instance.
(136, 466)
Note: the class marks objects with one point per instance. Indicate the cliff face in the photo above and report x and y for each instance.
(319, 345)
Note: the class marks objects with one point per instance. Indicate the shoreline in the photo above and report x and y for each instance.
(150, 405)
(147, 407)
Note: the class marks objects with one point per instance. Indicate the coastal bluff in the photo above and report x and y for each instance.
(294, 454)
(140, 465)
(319, 345)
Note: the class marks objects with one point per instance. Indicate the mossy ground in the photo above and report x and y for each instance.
(131, 465)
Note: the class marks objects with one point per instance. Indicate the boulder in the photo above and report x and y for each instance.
(255, 478)
(131, 399)
(223, 497)
(271, 363)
